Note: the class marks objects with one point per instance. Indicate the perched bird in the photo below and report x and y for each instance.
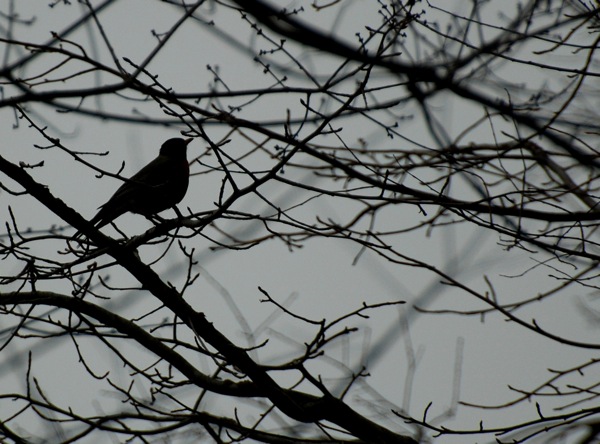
(158, 186)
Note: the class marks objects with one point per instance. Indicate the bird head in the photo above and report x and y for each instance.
(176, 147)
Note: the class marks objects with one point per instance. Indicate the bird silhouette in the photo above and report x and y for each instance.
(160, 185)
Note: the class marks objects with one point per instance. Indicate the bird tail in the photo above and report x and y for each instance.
(101, 219)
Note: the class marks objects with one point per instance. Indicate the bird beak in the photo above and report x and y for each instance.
(187, 141)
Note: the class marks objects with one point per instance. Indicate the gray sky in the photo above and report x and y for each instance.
(320, 279)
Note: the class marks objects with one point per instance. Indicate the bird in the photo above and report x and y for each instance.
(158, 186)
